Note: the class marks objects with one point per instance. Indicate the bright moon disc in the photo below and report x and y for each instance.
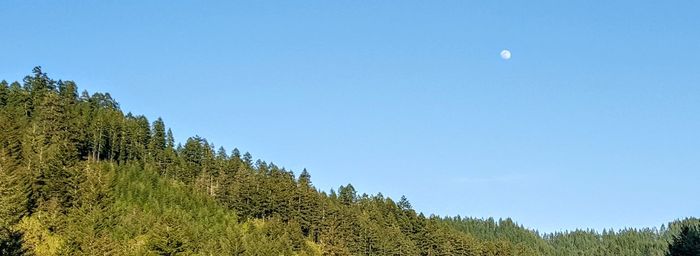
(505, 54)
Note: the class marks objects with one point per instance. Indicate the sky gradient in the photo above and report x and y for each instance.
(593, 123)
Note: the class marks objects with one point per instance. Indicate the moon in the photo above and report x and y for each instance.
(505, 54)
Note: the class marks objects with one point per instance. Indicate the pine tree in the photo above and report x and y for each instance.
(307, 206)
(169, 241)
(193, 156)
(4, 91)
(347, 194)
(404, 204)
(247, 159)
(37, 86)
(14, 191)
(55, 151)
(169, 155)
(686, 243)
(158, 143)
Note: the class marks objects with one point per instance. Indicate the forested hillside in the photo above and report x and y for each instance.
(80, 177)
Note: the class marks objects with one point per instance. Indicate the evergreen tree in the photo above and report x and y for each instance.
(404, 204)
(193, 157)
(79, 177)
(347, 194)
(158, 143)
(4, 91)
(686, 243)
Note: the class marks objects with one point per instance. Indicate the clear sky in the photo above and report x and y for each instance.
(593, 123)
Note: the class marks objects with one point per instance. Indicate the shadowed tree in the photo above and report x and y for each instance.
(686, 243)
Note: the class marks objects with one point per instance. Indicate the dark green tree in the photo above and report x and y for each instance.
(4, 91)
(193, 156)
(158, 143)
(686, 243)
(347, 194)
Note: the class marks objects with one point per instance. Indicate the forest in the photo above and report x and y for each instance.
(80, 177)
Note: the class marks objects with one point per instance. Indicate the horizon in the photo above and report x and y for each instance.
(592, 124)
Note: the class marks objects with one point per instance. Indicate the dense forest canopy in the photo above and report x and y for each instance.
(80, 177)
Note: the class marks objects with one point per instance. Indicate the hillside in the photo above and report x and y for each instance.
(80, 177)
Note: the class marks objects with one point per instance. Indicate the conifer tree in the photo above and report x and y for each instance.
(4, 91)
(686, 243)
(77, 176)
(347, 194)
(158, 143)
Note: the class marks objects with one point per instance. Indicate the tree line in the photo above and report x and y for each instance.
(79, 176)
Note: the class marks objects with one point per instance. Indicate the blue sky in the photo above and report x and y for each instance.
(594, 122)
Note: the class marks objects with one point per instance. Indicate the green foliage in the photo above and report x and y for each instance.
(80, 177)
(686, 243)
